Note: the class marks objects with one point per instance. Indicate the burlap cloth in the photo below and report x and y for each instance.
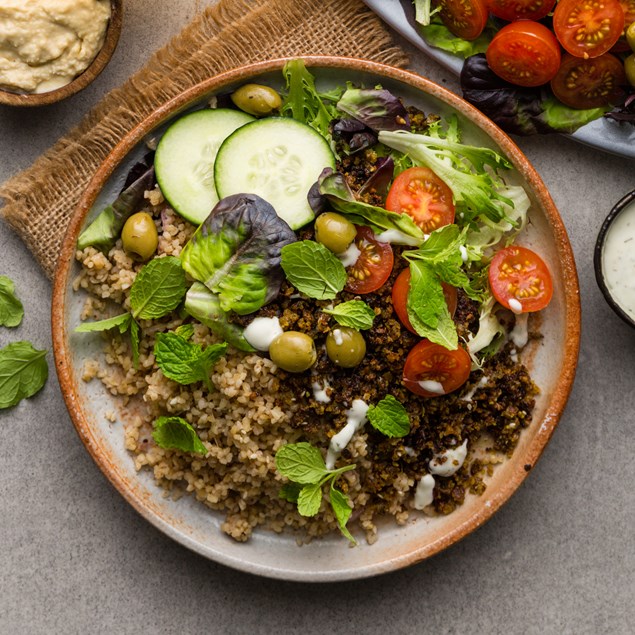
(39, 201)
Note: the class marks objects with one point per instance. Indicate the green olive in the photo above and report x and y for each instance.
(334, 231)
(630, 36)
(345, 347)
(293, 351)
(629, 67)
(139, 236)
(257, 99)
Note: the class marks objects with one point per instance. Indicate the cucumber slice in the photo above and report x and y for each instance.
(184, 161)
(278, 159)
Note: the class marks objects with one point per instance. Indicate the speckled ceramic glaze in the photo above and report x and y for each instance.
(84, 79)
(552, 360)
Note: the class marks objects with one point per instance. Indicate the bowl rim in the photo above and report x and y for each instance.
(86, 77)
(571, 310)
(598, 252)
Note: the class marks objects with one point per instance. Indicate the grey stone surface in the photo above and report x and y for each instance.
(558, 558)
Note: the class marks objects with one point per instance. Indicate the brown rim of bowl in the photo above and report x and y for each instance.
(82, 80)
(521, 163)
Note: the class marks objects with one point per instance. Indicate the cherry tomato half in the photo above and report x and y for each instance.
(464, 18)
(400, 290)
(432, 370)
(524, 53)
(589, 83)
(373, 266)
(421, 194)
(520, 280)
(511, 10)
(588, 28)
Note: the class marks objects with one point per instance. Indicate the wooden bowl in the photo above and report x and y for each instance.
(552, 360)
(81, 81)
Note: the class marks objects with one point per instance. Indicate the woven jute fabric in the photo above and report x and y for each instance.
(39, 201)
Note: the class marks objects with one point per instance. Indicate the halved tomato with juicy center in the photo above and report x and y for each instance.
(374, 263)
(520, 280)
(421, 194)
(464, 18)
(400, 289)
(432, 370)
(520, 9)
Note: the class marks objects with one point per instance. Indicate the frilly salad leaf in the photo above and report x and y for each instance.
(235, 253)
(204, 306)
(521, 111)
(376, 108)
(333, 187)
(477, 190)
(104, 231)
(380, 180)
(490, 331)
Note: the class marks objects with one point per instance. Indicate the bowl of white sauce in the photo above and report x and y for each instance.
(614, 258)
(51, 49)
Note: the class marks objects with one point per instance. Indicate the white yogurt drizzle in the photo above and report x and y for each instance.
(397, 237)
(319, 392)
(261, 331)
(470, 393)
(515, 306)
(349, 257)
(519, 334)
(432, 386)
(424, 492)
(337, 336)
(463, 251)
(448, 462)
(355, 419)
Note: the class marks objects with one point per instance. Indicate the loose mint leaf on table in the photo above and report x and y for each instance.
(122, 322)
(23, 372)
(309, 499)
(313, 270)
(175, 433)
(158, 288)
(355, 314)
(301, 462)
(185, 362)
(389, 417)
(11, 310)
(342, 511)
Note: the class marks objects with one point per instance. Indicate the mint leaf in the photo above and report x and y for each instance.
(342, 511)
(122, 322)
(389, 417)
(23, 372)
(301, 462)
(290, 492)
(11, 309)
(186, 331)
(427, 308)
(313, 270)
(309, 499)
(185, 362)
(355, 314)
(175, 433)
(158, 288)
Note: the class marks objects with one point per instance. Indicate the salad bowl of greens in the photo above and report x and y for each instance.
(246, 255)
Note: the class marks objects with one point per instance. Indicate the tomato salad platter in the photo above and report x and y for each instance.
(319, 310)
(534, 67)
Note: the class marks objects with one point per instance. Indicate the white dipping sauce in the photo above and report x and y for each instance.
(449, 462)
(618, 260)
(424, 494)
(356, 418)
(261, 331)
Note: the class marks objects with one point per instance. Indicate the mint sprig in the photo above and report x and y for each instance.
(304, 466)
(158, 288)
(355, 314)
(389, 417)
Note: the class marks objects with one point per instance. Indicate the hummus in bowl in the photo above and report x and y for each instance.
(50, 49)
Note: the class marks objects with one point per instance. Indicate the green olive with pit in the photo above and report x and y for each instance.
(293, 351)
(630, 36)
(334, 231)
(256, 99)
(629, 68)
(345, 347)
(139, 236)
